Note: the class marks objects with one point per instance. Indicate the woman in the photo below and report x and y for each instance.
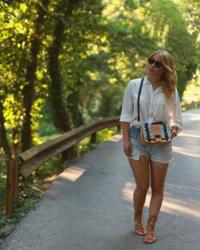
(159, 101)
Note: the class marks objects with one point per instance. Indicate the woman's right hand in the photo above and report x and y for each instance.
(128, 148)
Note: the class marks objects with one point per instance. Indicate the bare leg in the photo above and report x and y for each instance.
(158, 174)
(140, 170)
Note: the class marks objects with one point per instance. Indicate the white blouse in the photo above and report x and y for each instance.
(153, 105)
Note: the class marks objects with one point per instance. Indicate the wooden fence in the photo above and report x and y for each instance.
(26, 162)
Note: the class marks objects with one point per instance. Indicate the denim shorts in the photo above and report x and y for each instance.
(161, 153)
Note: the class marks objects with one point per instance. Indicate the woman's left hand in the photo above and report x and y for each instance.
(174, 131)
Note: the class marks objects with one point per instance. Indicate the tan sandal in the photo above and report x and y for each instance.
(138, 226)
(139, 229)
(150, 237)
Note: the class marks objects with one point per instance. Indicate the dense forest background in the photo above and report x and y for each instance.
(65, 63)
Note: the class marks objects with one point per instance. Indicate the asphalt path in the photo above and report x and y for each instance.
(89, 207)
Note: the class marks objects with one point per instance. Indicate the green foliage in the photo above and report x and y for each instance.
(50, 168)
(103, 135)
(191, 97)
(103, 45)
(30, 193)
(169, 24)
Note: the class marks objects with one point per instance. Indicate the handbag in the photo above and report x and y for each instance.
(155, 132)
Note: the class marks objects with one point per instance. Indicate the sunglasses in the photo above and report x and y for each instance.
(156, 63)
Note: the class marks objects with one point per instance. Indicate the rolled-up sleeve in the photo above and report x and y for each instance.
(127, 105)
(176, 113)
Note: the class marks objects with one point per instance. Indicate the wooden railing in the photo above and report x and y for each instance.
(28, 161)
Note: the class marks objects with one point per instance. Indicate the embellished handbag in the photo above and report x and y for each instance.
(155, 132)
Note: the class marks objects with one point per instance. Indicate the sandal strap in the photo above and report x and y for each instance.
(151, 222)
(138, 225)
(139, 229)
(149, 237)
(150, 234)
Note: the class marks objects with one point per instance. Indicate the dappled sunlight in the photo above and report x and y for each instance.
(196, 118)
(172, 206)
(183, 187)
(188, 135)
(127, 193)
(72, 173)
(184, 151)
(169, 205)
(191, 116)
(115, 138)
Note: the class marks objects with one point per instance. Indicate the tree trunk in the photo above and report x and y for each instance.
(62, 119)
(3, 137)
(28, 89)
(61, 115)
(74, 108)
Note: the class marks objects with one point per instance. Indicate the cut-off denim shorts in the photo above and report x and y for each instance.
(160, 153)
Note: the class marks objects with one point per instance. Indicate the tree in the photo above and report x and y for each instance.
(28, 91)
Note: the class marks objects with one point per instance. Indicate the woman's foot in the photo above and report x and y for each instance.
(138, 226)
(150, 237)
(139, 229)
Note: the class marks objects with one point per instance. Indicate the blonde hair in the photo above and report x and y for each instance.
(169, 78)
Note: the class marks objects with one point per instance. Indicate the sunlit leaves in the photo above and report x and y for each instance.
(106, 44)
(13, 113)
(191, 95)
(23, 7)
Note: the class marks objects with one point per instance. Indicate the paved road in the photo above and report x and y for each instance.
(89, 207)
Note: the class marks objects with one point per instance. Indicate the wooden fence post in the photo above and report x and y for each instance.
(93, 138)
(12, 191)
(119, 128)
(9, 188)
(15, 173)
(70, 153)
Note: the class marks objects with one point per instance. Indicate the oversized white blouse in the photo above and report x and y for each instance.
(152, 105)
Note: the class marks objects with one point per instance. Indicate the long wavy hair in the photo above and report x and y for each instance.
(169, 78)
